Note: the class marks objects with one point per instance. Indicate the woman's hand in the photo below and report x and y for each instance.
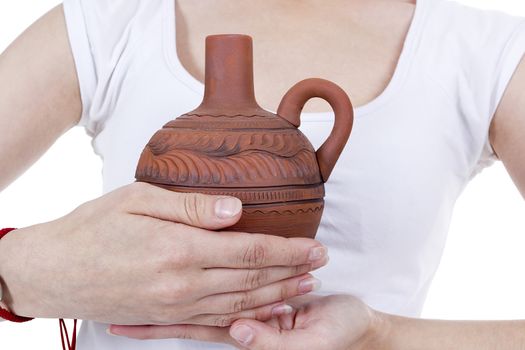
(342, 322)
(144, 255)
(338, 322)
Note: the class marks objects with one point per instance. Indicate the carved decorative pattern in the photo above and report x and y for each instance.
(227, 159)
(229, 124)
(222, 116)
(226, 121)
(260, 195)
(285, 211)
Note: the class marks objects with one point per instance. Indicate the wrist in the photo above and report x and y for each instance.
(12, 258)
(5, 297)
(377, 336)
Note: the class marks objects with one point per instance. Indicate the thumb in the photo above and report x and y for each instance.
(193, 209)
(208, 212)
(255, 335)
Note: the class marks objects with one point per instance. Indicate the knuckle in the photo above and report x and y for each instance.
(223, 321)
(181, 290)
(255, 255)
(138, 186)
(160, 317)
(85, 210)
(171, 294)
(135, 189)
(301, 269)
(256, 278)
(241, 301)
(262, 314)
(193, 208)
(131, 194)
(293, 257)
(183, 334)
(287, 290)
(165, 295)
(177, 257)
(173, 252)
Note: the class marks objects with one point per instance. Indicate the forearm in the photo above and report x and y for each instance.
(399, 333)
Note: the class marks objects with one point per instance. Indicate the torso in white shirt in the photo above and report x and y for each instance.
(390, 196)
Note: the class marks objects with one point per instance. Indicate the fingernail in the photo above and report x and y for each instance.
(317, 253)
(320, 263)
(108, 331)
(243, 334)
(282, 310)
(309, 285)
(228, 207)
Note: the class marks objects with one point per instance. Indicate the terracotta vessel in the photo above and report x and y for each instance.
(229, 145)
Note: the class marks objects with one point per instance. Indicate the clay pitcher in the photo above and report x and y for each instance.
(230, 146)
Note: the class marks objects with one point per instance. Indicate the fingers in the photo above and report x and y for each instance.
(194, 209)
(195, 328)
(255, 251)
(263, 313)
(229, 303)
(245, 279)
(255, 335)
(202, 333)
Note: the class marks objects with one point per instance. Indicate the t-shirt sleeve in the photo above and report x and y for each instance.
(81, 48)
(473, 54)
(100, 34)
(490, 77)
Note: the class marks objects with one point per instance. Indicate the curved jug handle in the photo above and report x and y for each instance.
(293, 102)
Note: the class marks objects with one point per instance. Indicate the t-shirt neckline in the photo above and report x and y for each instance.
(397, 79)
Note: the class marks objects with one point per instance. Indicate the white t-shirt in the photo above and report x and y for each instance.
(391, 195)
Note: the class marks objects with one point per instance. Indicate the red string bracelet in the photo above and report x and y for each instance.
(9, 316)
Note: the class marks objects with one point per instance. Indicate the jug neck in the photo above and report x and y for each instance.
(228, 74)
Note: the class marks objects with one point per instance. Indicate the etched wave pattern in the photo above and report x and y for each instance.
(285, 211)
(226, 145)
(249, 167)
(211, 159)
(192, 115)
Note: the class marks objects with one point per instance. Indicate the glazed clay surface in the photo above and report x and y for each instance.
(230, 146)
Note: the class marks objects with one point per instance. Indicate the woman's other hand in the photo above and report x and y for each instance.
(337, 322)
(145, 255)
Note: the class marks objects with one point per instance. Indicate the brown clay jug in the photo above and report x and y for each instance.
(230, 146)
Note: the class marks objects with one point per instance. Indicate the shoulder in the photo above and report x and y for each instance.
(109, 20)
(461, 31)
(471, 52)
(105, 36)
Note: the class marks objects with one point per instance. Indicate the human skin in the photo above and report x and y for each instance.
(140, 254)
(343, 322)
(355, 326)
(144, 255)
(346, 323)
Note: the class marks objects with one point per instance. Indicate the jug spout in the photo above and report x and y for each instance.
(229, 82)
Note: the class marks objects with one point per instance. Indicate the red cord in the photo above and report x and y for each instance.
(9, 316)
(64, 336)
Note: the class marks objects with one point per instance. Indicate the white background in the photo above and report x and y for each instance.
(480, 277)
